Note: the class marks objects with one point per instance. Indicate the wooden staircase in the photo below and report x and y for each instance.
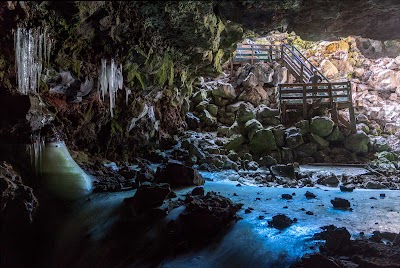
(300, 95)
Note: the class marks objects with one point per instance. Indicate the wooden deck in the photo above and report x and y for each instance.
(308, 97)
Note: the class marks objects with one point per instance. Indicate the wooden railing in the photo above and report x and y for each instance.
(252, 53)
(296, 62)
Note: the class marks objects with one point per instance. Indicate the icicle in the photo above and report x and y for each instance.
(32, 47)
(36, 153)
(127, 93)
(110, 80)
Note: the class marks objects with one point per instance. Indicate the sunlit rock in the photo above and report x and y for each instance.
(357, 143)
(328, 69)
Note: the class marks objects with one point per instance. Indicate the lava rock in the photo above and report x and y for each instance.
(281, 221)
(207, 215)
(340, 203)
(309, 195)
(287, 196)
(198, 191)
(347, 188)
(148, 195)
(177, 174)
(338, 240)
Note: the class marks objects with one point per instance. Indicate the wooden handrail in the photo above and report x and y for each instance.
(313, 67)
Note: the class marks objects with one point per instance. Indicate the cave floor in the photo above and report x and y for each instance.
(250, 242)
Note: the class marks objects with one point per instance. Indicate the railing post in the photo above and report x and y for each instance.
(270, 53)
(302, 74)
(304, 102)
(351, 110)
(252, 54)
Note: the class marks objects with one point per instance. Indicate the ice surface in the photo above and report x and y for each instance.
(61, 175)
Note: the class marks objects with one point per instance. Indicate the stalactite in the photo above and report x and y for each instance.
(32, 49)
(110, 80)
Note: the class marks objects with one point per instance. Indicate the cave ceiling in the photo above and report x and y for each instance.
(317, 19)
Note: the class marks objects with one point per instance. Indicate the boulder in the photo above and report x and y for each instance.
(250, 81)
(320, 142)
(207, 215)
(279, 135)
(357, 142)
(304, 126)
(305, 150)
(177, 174)
(294, 140)
(148, 195)
(340, 203)
(265, 111)
(262, 141)
(380, 144)
(254, 95)
(199, 96)
(338, 240)
(251, 127)
(336, 135)
(245, 113)
(224, 90)
(212, 109)
(234, 142)
(281, 222)
(264, 73)
(328, 69)
(208, 119)
(322, 126)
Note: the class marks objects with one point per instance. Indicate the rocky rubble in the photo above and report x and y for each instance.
(377, 250)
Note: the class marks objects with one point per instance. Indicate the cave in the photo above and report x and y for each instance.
(200, 133)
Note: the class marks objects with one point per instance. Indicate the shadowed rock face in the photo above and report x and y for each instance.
(318, 19)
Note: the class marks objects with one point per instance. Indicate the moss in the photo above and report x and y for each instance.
(134, 75)
(116, 128)
(76, 67)
(166, 71)
(43, 87)
(217, 60)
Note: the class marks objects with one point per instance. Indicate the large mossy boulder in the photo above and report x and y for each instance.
(245, 113)
(304, 126)
(321, 125)
(320, 142)
(357, 142)
(251, 127)
(234, 142)
(263, 140)
(336, 135)
(279, 134)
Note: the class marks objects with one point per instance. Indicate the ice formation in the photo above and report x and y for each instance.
(36, 153)
(32, 49)
(111, 79)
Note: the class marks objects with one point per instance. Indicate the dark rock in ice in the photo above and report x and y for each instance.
(287, 196)
(340, 203)
(280, 221)
(198, 191)
(309, 195)
(347, 188)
